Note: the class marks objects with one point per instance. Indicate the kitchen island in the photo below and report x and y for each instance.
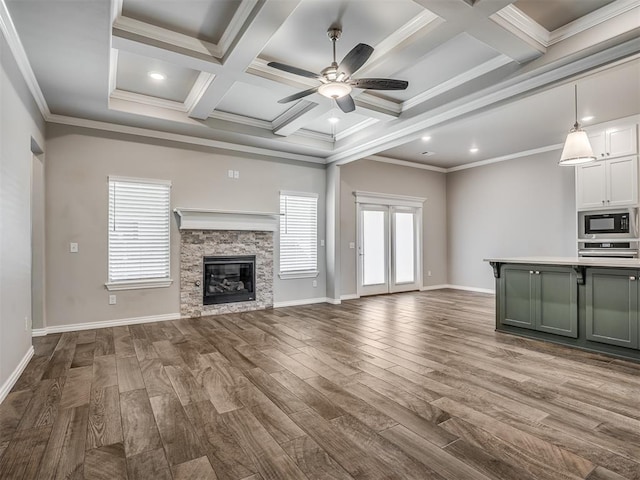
(588, 303)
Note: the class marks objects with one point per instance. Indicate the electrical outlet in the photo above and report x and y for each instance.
(26, 323)
(236, 174)
(112, 299)
(322, 243)
(352, 244)
(73, 247)
(315, 283)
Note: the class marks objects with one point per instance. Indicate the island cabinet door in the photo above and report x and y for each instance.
(557, 307)
(612, 307)
(517, 302)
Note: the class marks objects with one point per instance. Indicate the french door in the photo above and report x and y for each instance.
(388, 249)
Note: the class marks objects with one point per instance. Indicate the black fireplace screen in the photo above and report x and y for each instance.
(229, 279)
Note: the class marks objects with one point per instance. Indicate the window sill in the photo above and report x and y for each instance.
(294, 275)
(139, 284)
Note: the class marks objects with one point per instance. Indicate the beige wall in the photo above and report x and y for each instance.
(372, 176)
(21, 125)
(78, 164)
(523, 207)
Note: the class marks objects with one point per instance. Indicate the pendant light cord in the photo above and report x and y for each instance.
(576, 125)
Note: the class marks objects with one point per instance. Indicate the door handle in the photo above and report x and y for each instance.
(537, 272)
(632, 278)
(530, 272)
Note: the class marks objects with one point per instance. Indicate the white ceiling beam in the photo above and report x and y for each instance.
(166, 53)
(268, 18)
(460, 17)
(298, 116)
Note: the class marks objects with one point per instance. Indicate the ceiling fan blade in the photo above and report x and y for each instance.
(379, 84)
(298, 95)
(346, 103)
(295, 70)
(355, 58)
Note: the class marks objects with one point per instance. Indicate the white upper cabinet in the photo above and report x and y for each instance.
(617, 141)
(607, 183)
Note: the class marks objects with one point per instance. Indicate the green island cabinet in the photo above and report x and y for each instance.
(592, 304)
(612, 307)
(539, 297)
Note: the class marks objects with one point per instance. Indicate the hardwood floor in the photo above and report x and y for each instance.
(409, 386)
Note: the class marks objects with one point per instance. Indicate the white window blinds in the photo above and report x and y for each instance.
(138, 230)
(298, 233)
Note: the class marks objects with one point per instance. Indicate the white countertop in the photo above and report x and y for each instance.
(579, 261)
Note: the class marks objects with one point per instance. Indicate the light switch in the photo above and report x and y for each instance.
(73, 247)
(236, 174)
(352, 244)
(230, 173)
(322, 243)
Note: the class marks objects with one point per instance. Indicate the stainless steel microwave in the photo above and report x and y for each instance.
(622, 223)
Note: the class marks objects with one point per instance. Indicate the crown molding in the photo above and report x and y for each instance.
(10, 33)
(593, 19)
(520, 24)
(198, 89)
(241, 119)
(523, 26)
(176, 137)
(379, 104)
(163, 35)
(405, 163)
(504, 158)
(483, 68)
(299, 108)
(148, 100)
(347, 132)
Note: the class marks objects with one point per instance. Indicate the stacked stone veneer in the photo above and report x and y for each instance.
(196, 244)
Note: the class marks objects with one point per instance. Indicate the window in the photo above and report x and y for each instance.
(138, 233)
(298, 235)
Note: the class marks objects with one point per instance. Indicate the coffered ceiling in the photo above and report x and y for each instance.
(476, 69)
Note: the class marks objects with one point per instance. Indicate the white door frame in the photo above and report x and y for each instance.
(366, 200)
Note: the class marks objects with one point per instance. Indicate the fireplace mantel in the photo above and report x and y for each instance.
(199, 219)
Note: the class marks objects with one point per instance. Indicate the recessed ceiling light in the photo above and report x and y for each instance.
(157, 75)
(426, 138)
(587, 118)
(333, 119)
(473, 150)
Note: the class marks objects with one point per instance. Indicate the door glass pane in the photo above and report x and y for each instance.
(404, 247)
(373, 248)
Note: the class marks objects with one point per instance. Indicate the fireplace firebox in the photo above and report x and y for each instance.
(229, 279)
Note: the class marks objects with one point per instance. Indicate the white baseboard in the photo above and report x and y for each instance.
(39, 332)
(459, 287)
(15, 375)
(350, 296)
(433, 287)
(304, 301)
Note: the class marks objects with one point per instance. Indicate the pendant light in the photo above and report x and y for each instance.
(577, 149)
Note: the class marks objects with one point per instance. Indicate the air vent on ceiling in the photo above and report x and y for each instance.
(428, 154)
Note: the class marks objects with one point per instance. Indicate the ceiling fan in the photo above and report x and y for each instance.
(336, 79)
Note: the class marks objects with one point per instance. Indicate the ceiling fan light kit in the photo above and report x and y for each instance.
(577, 149)
(336, 81)
(334, 89)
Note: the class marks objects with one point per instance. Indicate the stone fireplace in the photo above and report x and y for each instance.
(218, 250)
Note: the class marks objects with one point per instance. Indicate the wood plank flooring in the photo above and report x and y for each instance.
(406, 386)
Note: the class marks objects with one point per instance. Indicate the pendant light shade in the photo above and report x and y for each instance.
(577, 149)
